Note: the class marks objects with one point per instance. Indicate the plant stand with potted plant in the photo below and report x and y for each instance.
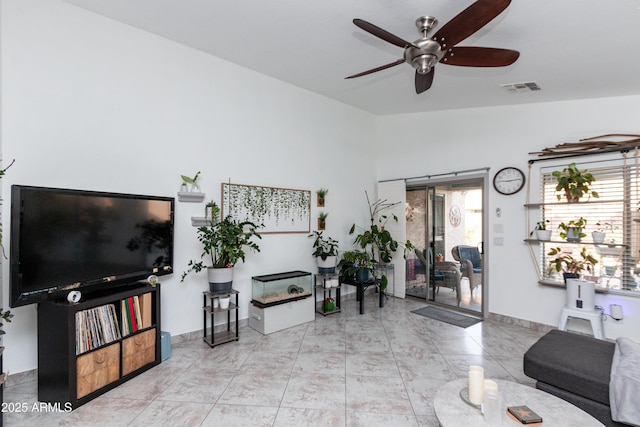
(327, 284)
(224, 241)
(325, 250)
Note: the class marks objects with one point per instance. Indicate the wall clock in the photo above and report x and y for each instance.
(508, 181)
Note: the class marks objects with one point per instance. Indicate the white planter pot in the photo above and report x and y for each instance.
(544, 235)
(220, 279)
(573, 234)
(598, 236)
(327, 266)
(224, 302)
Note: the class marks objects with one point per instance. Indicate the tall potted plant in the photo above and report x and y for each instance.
(378, 242)
(224, 241)
(574, 183)
(326, 252)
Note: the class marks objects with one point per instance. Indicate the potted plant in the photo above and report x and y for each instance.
(322, 218)
(321, 193)
(569, 266)
(541, 231)
(224, 242)
(5, 315)
(328, 304)
(439, 257)
(326, 252)
(572, 230)
(599, 233)
(379, 242)
(355, 265)
(574, 183)
(190, 181)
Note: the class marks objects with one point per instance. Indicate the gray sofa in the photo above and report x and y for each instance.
(576, 368)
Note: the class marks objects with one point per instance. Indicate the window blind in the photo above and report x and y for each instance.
(614, 212)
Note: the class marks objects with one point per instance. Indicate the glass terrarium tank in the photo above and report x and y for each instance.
(280, 288)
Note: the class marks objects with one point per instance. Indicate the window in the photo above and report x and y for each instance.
(616, 212)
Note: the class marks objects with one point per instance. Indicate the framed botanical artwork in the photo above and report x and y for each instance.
(279, 210)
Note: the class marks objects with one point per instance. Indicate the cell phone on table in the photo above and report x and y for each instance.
(524, 414)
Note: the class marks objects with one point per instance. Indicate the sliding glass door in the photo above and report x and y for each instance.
(445, 224)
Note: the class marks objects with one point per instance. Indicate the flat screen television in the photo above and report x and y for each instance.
(64, 240)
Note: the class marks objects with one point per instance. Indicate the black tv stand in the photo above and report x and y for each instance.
(72, 376)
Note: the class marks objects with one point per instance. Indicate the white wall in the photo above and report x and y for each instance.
(89, 103)
(498, 137)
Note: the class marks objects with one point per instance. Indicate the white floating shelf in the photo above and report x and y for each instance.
(199, 221)
(610, 251)
(188, 196)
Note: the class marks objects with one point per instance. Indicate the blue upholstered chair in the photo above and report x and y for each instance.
(470, 263)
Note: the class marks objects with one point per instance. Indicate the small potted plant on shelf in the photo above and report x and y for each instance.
(569, 266)
(574, 183)
(190, 183)
(328, 304)
(541, 231)
(599, 233)
(224, 242)
(439, 257)
(326, 252)
(572, 230)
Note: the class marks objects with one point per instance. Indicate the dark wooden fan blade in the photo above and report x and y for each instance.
(424, 81)
(469, 21)
(383, 34)
(471, 56)
(380, 68)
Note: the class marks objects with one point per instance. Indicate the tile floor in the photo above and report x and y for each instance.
(377, 369)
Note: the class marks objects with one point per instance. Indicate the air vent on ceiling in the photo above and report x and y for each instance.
(522, 87)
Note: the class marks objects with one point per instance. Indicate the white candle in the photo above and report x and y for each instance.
(476, 384)
(489, 384)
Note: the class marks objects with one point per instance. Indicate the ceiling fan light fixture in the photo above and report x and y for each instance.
(424, 63)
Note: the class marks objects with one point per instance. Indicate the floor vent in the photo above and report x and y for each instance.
(522, 87)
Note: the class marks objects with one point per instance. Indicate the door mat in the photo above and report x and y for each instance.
(442, 315)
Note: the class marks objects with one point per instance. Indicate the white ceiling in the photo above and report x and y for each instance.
(573, 49)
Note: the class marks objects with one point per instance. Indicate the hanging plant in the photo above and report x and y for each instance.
(321, 195)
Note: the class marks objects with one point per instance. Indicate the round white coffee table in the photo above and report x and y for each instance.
(452, 411)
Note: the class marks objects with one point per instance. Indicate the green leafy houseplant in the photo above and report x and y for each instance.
(574, 183)
(572, 230)
(566, 263)
(223, 240)
(379, 242)
(5, 315)
(352, 262)
(324, 247)
(322, 218)
(321, 193)
(186, 180)
(540, 226)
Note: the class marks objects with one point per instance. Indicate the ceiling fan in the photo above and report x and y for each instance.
(424, 53)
